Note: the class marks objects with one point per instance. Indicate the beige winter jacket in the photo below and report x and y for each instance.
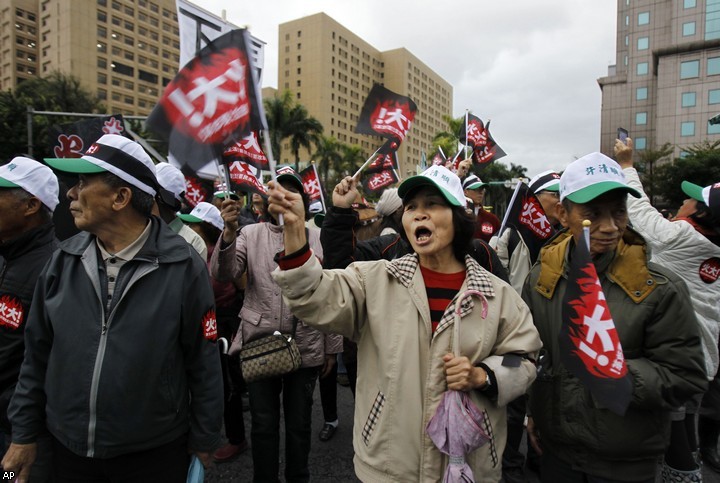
(383, 306)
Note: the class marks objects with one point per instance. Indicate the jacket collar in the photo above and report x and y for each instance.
(476, 278)
(627, 266)
(28, 241)
(162, 245)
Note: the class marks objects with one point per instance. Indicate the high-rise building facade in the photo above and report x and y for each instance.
(124, 51)
(665, 83)
(330, 71)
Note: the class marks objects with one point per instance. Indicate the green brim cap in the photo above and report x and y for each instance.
(7, 184)
(693, 191)
(438, 177)
(190, 218)
(411, 184)
(223, 194)
(591, 192)
(74, 165)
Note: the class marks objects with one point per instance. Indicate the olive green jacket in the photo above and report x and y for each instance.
(658, 332)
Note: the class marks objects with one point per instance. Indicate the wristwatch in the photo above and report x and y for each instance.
(488, 381)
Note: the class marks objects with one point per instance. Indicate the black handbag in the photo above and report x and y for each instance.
(270, 356)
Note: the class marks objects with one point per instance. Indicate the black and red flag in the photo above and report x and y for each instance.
(386, 114)
(589, 343)
(526, 215)
(313, 189)
(247, 149)
(380, 180)
(472, 131)
(197, 189)
(488, 151)
(245, 177)
(72, 140)
(386, 158)
(438, 159)
(382, 172)
(211, 103)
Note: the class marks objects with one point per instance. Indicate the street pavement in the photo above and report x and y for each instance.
(331, 462)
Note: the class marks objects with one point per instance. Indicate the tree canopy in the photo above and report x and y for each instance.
(701, 166)
(57, 92)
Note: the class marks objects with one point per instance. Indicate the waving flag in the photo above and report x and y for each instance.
(72, 140)
(245, 177)
(247, 149)
(589, 343)
(386, 114)
(212, 102)
(376, 182)
(526, 215)
(197, 189)
(488, 151)
(438, 159)
(313, 188)
(472, 131)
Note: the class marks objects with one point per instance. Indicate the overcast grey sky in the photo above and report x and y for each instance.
(530, 66)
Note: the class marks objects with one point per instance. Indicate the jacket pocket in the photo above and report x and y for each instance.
(254, 326)
(168, 387)
(373, 418)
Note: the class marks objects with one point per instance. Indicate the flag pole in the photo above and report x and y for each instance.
(226, 178)
(466, 134)
(271, 162)
(507, 211)
(366, 163)
(586, 233)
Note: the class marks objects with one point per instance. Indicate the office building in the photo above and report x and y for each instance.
(124, 51)
(330, 71)
(665, 84)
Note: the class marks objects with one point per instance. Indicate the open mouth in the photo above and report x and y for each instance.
(422, 234)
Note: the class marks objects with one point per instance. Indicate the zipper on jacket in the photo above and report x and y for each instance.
(100, 356)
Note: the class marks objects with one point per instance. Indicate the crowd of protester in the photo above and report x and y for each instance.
(119, 345)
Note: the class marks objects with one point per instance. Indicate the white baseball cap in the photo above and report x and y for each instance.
(439, 177)
(206, 212)
(592, 175)
(117, 154)
(35, 178)
(171, 180)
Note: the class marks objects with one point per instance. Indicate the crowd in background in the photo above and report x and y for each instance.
(119, 346)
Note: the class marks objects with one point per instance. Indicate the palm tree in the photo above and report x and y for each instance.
(286, 119)
(352, 159)
(277, 111)
(448, 140)
(327, 155)
(303, 131)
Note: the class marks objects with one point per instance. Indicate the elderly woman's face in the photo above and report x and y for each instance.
(428, 223)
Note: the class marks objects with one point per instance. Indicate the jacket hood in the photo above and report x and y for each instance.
(162, 245)
(628, 267)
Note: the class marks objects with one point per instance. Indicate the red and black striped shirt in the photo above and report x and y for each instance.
(440, 289)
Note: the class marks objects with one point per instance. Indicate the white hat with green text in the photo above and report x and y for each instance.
(32, 176)
(439, 177)
(592, 175)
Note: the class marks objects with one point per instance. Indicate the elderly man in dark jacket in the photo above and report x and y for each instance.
(579, 438)
(121, 365)
(28, 197)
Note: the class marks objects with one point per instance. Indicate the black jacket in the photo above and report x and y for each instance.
(134, 378)
(21, 261)
(340, 248)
